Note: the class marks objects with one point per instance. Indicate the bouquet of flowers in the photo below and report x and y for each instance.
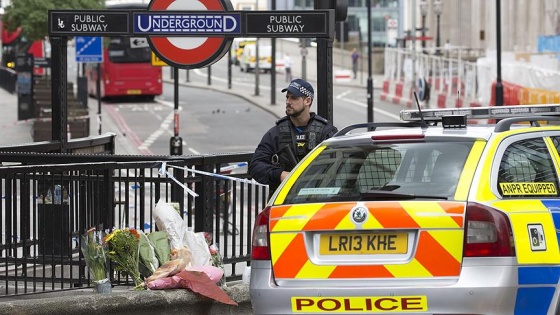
(94, 250)
(123, 250)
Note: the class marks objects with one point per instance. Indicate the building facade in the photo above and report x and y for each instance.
(470, 24)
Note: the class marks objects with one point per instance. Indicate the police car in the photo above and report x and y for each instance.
(432, 215)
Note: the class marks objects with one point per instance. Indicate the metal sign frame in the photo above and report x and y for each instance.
(110, 22)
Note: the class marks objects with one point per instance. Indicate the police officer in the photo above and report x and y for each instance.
(294, 135)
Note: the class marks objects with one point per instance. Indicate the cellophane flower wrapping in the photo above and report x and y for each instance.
(147, 256)
(161, 246)
(154, 251)
(94, 250)
(216, 258)
(123, 250)
(169, 220)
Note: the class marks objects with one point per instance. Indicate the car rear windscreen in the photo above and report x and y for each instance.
(400, 171)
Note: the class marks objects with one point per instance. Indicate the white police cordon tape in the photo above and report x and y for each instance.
(235, 179)
(163, 171)
(232, 167)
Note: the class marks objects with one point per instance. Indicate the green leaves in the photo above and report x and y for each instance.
(32, 15)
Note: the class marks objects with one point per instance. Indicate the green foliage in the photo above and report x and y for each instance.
(32, 15)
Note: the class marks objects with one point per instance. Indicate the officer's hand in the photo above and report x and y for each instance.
(283, 176)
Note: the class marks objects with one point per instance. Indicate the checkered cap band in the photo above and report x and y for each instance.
(299, 87)
(302, 89)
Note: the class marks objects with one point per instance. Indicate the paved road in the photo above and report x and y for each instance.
(137, 138)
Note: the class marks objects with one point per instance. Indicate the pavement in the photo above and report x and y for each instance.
(124, 300)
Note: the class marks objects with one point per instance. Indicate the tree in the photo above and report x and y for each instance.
(32, 15)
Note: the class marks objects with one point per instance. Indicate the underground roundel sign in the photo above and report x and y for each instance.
(190, 52)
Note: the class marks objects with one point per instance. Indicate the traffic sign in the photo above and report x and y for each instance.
(88, 22)
(190, 52)
(316, 23)
(89, 49)
(138, 42)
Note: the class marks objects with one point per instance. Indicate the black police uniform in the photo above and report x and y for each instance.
(272, 157)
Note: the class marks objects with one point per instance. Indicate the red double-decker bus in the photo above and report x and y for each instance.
(127, 68)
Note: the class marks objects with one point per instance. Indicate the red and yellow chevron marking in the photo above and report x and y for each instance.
(438, 249)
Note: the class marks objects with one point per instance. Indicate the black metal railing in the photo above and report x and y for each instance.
(8, 79)
(49, 200)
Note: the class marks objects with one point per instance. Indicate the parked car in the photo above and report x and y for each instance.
(432, 215)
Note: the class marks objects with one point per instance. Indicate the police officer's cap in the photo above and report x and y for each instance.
(299, 87)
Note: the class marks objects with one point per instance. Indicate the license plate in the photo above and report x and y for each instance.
(133, 92)
(363, 243)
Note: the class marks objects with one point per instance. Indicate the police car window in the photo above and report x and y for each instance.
(345, 173)
(556, 141)
(526, 170)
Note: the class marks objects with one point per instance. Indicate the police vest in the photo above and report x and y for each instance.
(304, 142)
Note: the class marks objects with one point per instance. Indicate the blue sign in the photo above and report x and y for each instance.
(206, 23)
(89, 49)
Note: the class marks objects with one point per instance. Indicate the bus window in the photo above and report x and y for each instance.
(126, 71)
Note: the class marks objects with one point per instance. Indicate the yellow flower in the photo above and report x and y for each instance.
(110, 236)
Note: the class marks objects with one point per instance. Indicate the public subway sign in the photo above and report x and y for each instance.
(317, 23)
(191, 34)
(88, 22)
(171, 23)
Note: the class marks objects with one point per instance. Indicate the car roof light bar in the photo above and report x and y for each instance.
(372, 126)
(492, 112)
(454, 122)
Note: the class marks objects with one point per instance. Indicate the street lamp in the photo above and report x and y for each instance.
(423, 12)
(438, 9)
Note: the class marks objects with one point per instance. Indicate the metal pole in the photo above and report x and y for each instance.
(304, 62)
(437, 36)
(273, 66)
(499, 86)
(273, 71)
(176, 102)
(59, 91)
(229, 71)
(176, 142)
(323, 91)
(257, 69)
(209, 78)
(423, 32)
(98, 96)
(369, 79)
(341, 44)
